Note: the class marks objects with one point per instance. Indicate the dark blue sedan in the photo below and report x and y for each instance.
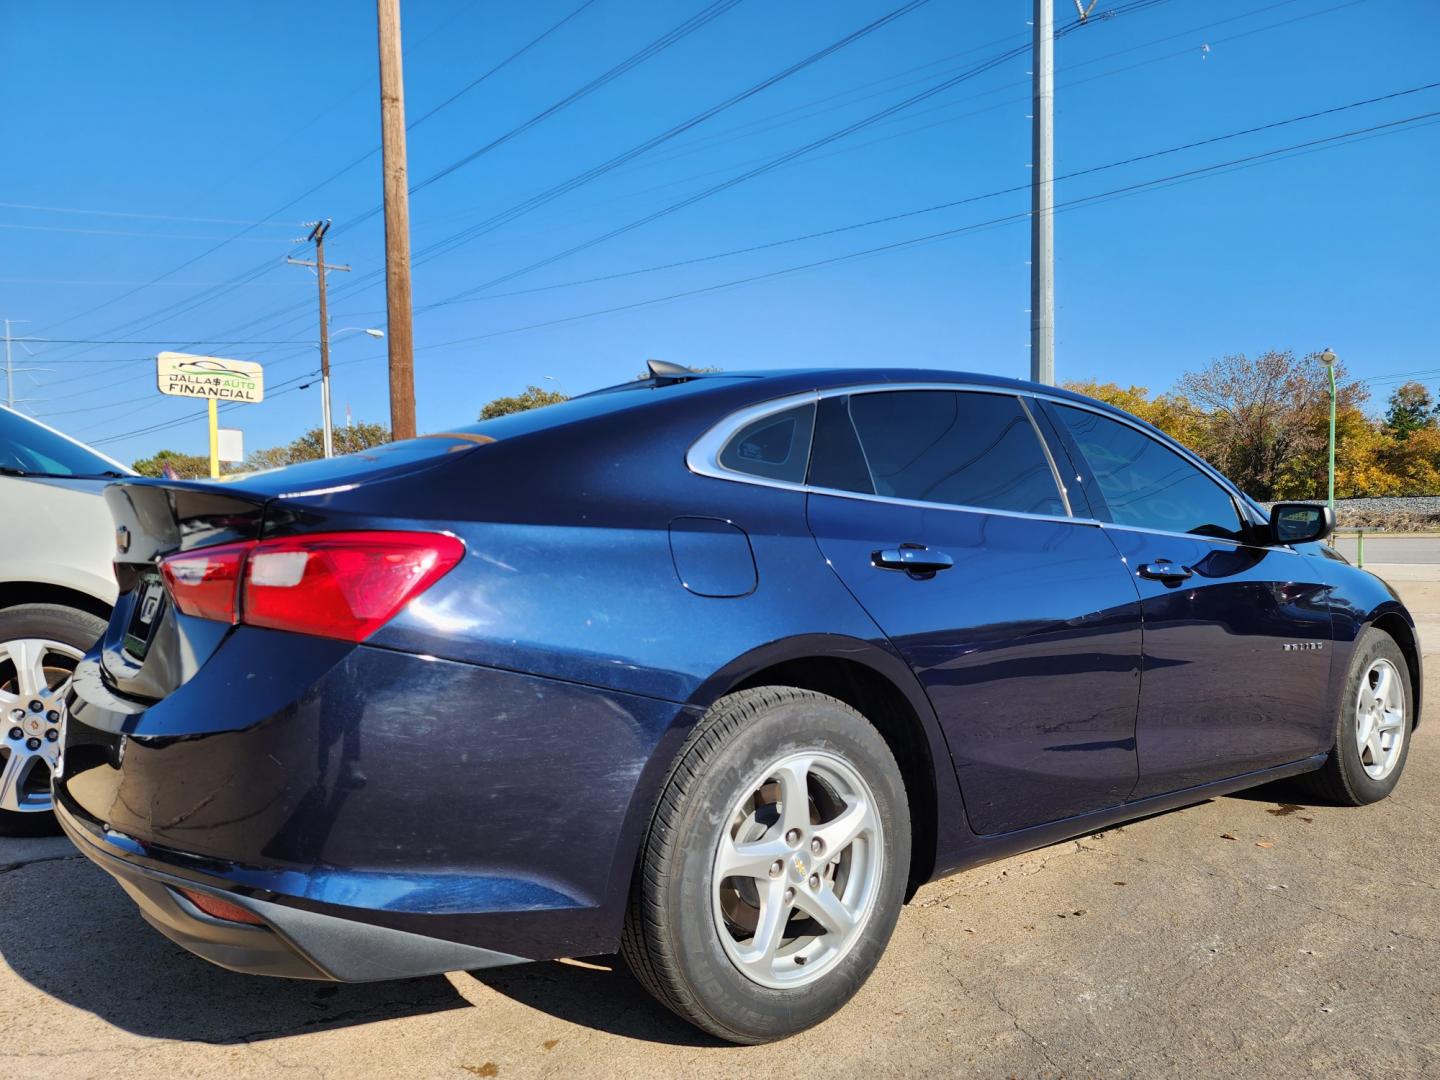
(713, 669)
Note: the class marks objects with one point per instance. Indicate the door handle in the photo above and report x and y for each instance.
(915, 559)
(1165, 571)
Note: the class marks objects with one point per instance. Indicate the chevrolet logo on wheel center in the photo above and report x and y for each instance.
(184, 375)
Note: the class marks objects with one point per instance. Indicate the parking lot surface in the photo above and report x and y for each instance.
(1255, 935)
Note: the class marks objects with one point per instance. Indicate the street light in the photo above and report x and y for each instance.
(1328, 358)
(327, 431)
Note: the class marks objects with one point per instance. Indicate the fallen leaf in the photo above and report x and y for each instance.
(1263, 843)
(1119, 883)
(1226, 836)
(550, 1044)
(1078, 911)
(488, 1069)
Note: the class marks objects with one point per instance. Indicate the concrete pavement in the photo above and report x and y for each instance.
(1256, 935)
(1379, 548)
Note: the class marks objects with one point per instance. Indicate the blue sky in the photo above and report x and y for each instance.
(139, 138)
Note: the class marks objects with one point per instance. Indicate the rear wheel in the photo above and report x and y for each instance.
(775, 867)
(1372, 731)
(40, 645)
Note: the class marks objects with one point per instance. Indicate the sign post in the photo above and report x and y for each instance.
(215, 380)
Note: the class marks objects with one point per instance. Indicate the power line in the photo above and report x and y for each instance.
(650, 50)
(654, 48)
(365, 280)
(123, 214)
(951, 204)
(1130, 189)
(274, 315)
(334, 176)
(506, 216)
(1218, 168)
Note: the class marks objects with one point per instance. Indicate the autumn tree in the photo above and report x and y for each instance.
(1170, 413)
(1266, 420)
(533, 397)
(1411, 408)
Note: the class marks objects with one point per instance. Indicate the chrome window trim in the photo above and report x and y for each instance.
(703, 457)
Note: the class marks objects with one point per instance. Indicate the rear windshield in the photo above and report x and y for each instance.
(30, 448)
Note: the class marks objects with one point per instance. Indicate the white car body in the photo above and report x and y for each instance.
(60, 538)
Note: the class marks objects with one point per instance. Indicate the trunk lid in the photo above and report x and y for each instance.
(150, 649)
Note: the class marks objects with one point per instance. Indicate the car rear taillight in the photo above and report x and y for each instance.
(205, 582)
(340, 585)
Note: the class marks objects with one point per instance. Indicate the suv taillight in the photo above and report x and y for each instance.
(340, 585)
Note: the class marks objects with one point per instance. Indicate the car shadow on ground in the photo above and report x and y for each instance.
(87, 946)
(596, 992)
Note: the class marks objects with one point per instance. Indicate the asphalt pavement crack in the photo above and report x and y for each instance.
(21, 864)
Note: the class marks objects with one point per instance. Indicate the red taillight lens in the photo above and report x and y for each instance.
(340, 585)
(206, 582)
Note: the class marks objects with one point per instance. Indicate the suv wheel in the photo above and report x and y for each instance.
(774, 869)
(40, 645)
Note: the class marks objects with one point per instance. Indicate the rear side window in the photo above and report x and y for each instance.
(776, 447)
(944, 446)
(1148, 485)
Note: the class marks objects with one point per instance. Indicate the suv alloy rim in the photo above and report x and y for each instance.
(34, 679)
(1380, 719)
(797, 869)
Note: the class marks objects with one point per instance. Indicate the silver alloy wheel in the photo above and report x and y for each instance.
(34, 679)
(797, 869)
(1380, 719)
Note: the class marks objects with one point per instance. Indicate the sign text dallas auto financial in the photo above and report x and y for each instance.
(184, 375)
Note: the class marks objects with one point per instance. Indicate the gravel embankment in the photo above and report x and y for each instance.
(1411, 513)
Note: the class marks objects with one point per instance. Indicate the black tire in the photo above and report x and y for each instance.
(69, 626)
(1343, 779)
(671, 939)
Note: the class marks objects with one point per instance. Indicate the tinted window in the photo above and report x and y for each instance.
(836, 460)
(31, 448)
(776, 447)
(943, 446)
(1147, 484)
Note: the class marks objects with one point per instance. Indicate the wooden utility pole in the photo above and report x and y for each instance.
(401, 331)
(317, 237)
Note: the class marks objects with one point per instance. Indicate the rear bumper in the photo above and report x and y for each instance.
(292, 943)
(364, 801)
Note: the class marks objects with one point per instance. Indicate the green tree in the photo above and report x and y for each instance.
(183, 466)
(1411, 408)
(533, 397)
(311, 446)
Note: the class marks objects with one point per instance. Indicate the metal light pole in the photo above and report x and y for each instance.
(1328, 358)
(1042, 197)
(327, 425)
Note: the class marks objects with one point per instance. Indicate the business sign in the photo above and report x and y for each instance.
(231, 443)
(183, 375)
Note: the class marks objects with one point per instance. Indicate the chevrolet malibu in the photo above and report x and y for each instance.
(715, 670)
